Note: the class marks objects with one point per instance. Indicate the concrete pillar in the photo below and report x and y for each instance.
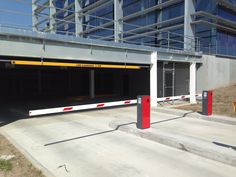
(34, 18)
(52, 10)
(153, 80)
(78, 19)
(92, 84)
(118, 24)
(189, 43)
(192, 83)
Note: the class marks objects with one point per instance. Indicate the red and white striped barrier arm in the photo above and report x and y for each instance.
(80, 107)
(181, 97)
(99, 105)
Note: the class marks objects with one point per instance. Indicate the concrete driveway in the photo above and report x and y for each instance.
(83, 144)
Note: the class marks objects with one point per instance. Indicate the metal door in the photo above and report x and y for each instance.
(168, 79)
(169, 83)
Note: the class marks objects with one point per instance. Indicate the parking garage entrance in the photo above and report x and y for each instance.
(29, 85)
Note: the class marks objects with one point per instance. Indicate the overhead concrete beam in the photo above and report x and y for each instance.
(61, 47)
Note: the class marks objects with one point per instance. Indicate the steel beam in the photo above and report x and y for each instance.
(41, 7)
(94, 5)
(41, 22)
(224, 28)
(94, 28)
(227, 4)
(75, 65)
(217, 19)
(68, 19)
(95, 8)
(64, 9)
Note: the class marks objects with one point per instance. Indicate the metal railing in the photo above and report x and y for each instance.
(232, 2)
(144, 35)
(218, 49)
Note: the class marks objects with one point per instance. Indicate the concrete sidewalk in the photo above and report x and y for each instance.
(211, 139)
(83, 144)
(212, 150)
(213, 118)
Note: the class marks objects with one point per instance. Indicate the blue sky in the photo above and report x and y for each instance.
(16, 19)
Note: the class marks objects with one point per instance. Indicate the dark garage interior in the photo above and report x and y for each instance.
(25, 88)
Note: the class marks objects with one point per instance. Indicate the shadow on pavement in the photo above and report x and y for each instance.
(175, 118)
(224, 145)
(113, 130)
(90, 135)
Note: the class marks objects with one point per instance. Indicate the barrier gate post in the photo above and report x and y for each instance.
(207, 102)
(143, 112)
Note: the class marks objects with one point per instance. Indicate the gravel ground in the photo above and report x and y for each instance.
(20, 166)
(222, 102)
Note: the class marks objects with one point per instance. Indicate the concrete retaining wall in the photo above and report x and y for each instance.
(215, 72)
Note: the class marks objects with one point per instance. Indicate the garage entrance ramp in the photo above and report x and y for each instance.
(51, 67)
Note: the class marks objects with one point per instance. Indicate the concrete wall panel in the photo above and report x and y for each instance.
(215, 72)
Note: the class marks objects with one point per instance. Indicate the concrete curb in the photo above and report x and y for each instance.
(35, 163)
(185, 143)
(191, 114)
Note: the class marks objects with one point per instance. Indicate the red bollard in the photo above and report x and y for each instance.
(207, 102)
(143, 112)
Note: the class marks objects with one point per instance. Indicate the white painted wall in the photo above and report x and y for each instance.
(216, 72)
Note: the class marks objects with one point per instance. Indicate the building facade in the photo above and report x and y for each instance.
(208, 26)
(186, 25)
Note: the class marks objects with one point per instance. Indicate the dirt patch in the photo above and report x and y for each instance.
(18, 166)
(222, 102)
